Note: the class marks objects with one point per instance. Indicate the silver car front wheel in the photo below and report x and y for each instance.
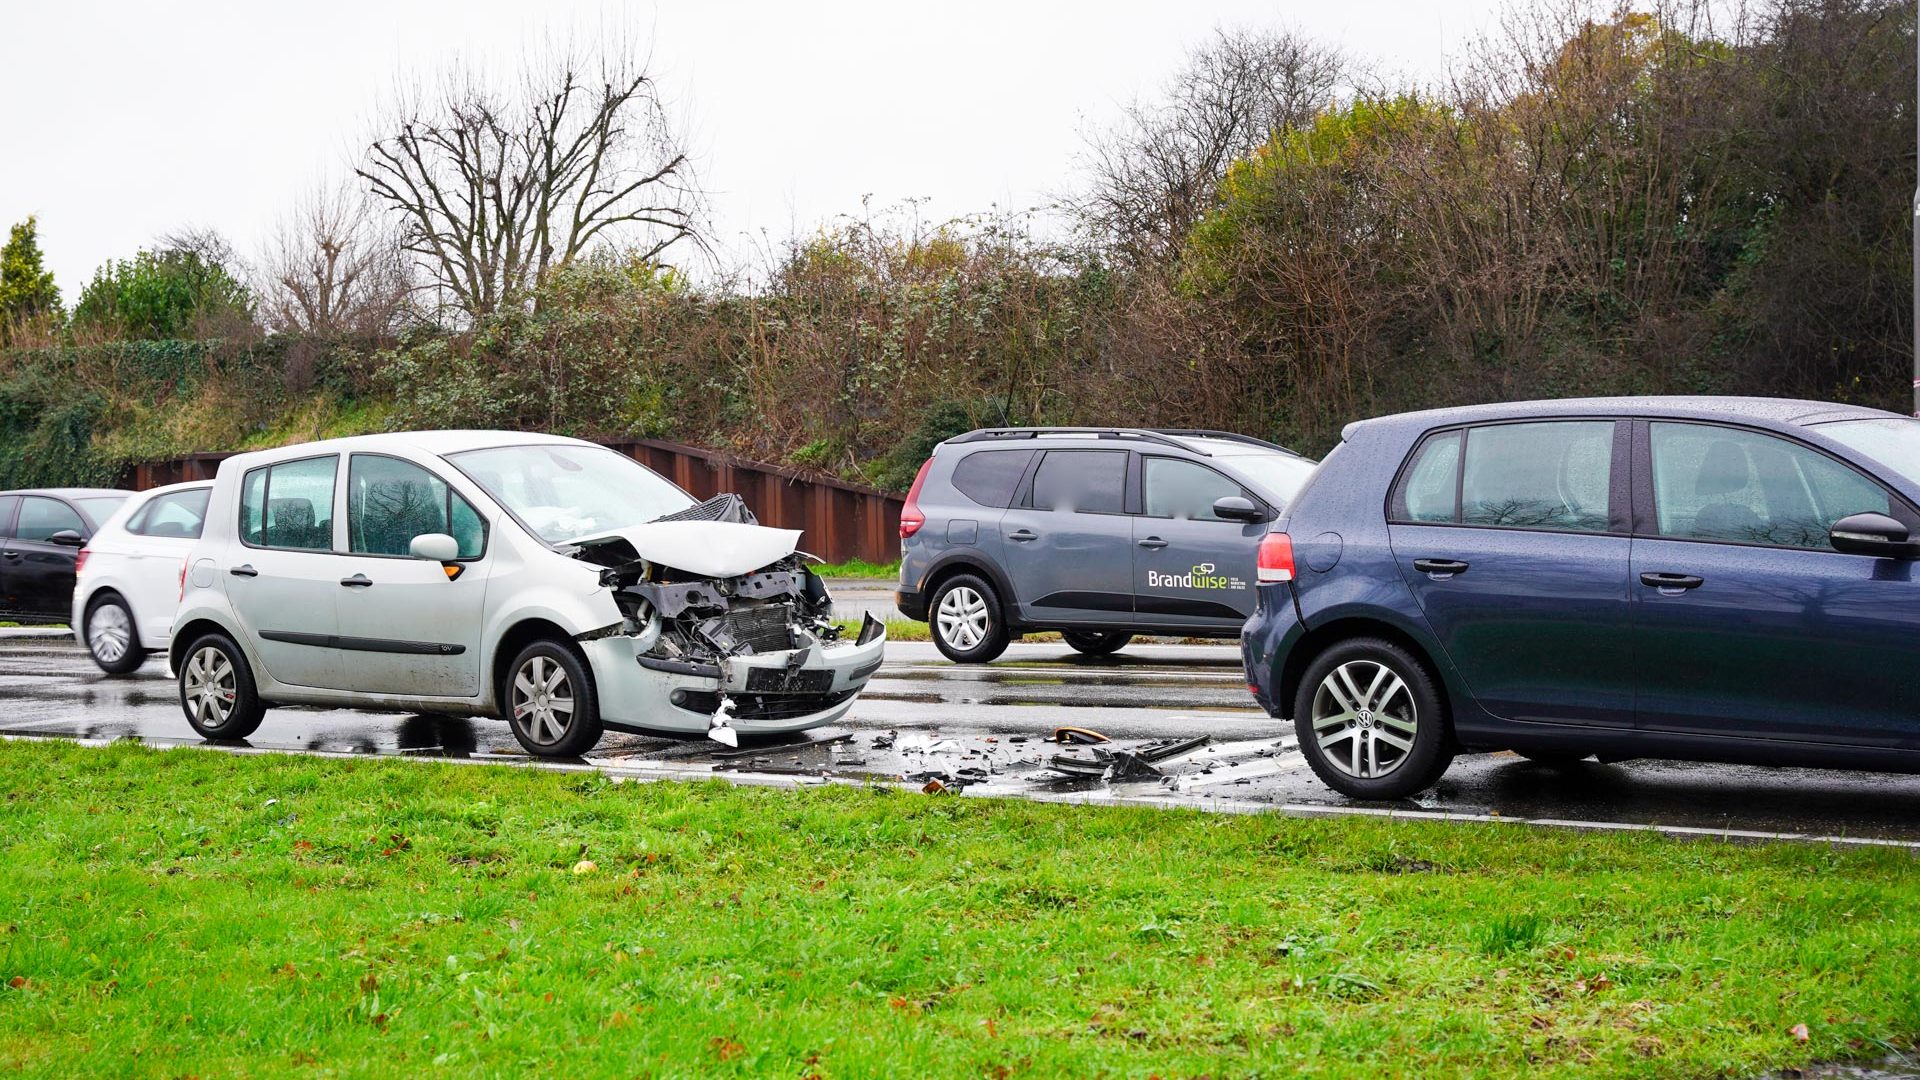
(543, 700)
(1365, 719)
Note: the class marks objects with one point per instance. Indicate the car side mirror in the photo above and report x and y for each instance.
(1236, 508)
(1872, 534)
(67, 538)
(439, 547)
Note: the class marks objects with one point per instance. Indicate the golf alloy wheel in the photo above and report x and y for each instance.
(964, 619)
(1365, 719)
(542, 700)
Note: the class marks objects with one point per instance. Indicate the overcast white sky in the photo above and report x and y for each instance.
(129, 120)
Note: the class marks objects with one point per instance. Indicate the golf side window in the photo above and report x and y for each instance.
(1734, 486)
(391, 501)
(289, 505)
(1550, 474)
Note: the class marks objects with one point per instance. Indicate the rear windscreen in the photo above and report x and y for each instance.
(989, 477)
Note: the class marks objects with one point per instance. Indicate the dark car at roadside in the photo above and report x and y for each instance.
(41, 533)
(1718, 579)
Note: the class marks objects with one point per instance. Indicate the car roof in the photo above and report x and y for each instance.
(1778, 412)
(70, 492)
(440, 443)
(1204, 443)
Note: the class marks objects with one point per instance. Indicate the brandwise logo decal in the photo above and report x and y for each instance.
(1202, 576)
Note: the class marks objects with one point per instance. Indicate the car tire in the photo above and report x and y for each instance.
(550, 701)
(969, 625)
(1096, 643)
(110, 636)
(217, 690)
(1369, 702)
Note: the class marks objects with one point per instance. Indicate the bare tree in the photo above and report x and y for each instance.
(334, 267)
(1154, 174)
(497, 190)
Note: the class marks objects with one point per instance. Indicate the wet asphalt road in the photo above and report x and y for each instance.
(984, 729)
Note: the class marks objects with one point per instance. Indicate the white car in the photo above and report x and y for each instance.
(557, 584)
(127, 578)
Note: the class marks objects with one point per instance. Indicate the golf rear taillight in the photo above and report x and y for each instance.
(80, 560)
(910, 516)
(1276, 558)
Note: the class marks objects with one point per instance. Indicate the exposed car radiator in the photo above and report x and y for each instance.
(763, 629)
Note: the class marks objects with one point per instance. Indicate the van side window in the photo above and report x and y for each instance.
(989, 477)
(1082, 481)
(1185, 490)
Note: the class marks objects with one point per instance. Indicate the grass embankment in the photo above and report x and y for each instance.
(190, 912)
(860, 568)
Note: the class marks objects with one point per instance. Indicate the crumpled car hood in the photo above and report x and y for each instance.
(716, 549)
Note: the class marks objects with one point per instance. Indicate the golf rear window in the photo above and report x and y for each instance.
(989, 477)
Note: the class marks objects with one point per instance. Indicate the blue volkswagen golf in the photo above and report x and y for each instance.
(1717, 579)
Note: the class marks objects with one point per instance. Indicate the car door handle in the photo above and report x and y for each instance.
(1672, 581)
(357, 581)
(244, 570)
(1440, 566)
(11, 555)
(1153, 542)
(1023, 535)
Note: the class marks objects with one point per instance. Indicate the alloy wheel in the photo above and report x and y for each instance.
(543, 700)
(109, 632)
(211, 686)
(963, 617)
(1368, 707)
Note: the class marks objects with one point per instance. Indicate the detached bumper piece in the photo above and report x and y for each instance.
(1136, 763)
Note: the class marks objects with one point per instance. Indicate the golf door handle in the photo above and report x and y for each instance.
(1153, 542)
(357, 581)
(1672, 581)
(1440, 566)
(244, 570)
(1023, 535)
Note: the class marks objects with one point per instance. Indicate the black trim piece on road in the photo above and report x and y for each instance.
(362, 644)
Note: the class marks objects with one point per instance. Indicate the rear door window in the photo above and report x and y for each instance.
(289, 505)
(41, 517)
(990, 477)
(1549, 474)
(1082, 481)
(8, 504)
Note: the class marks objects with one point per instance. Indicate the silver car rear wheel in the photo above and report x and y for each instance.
(1365, 719)
(211, 687)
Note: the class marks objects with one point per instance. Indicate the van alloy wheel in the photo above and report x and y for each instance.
(963, 617)
(543, 700)
(1365, 719)
(109, 632)
(211, 686)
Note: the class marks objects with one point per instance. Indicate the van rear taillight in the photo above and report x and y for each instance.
(910, 516)
(1276, 558)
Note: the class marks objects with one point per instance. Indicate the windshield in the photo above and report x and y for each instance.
(100, 507)
(1893, 442)
(563, 492)
(1277, 476)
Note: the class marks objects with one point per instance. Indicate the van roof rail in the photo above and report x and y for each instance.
(1136, 434)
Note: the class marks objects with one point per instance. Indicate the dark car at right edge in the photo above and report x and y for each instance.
(1714, 579)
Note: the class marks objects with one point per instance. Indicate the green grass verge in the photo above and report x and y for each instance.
(859, 568)
(168, 913)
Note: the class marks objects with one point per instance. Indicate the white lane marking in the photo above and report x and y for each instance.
(1089, 798)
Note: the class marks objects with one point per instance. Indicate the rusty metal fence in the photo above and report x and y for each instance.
(840, 521)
